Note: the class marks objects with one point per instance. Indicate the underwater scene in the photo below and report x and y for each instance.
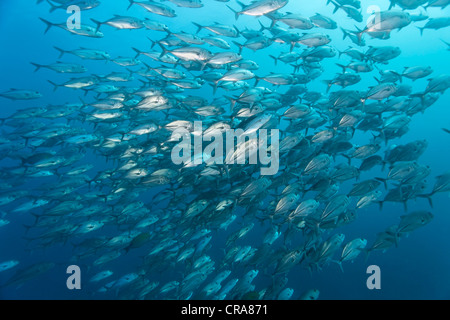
(225, 150)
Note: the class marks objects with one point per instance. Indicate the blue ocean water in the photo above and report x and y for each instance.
(416, 269)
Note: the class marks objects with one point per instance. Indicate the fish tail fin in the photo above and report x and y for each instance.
(257, 79)
(263, 27)
(153, 42)
(164, 50)
(336, 6)
(296, 67)
(203, 65)
(131, 3)
(360, 39)
(396, 237)
(169, 33)
(292, 46)
(366, 254)
(428, 197)
(344, 68)
(345, 33)
(358, 33)
(199, 27)
(232, 101)
(329, 84)
(421, 30)
(27, 228)
(341, 267)
(48, 24)
(446, 130)
(239, 45)
(36, 216)
(274, 20)
(54, 85)
(346, 156)
(83, 102)
(215, 87)
(144, 83)
(53, 7)
(274, 58)
(86, 91)
(98, 24)
(61, 52)
(377, 80)
(237, 30)
(138, 52)
(38, 66)
(243, 5)
(430, 200)
(380, 203)
(236, 14)
(420, 95)
(384, 182)
(400, 76)
(339, 263)
(383, 163)
(145, 64)
(405, 205)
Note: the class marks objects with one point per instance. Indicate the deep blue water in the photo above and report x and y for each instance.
(416, 269)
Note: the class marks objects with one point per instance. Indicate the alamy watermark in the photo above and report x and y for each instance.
(74, 21)
(374, 281)
(74, 281)
(252, 147)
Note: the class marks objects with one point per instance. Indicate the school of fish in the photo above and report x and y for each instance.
(197, 218)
